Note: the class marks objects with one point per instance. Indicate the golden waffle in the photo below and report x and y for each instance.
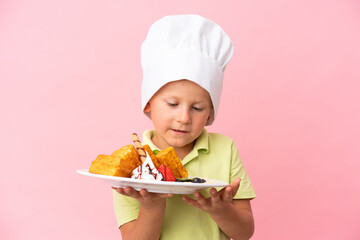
(152, 155)
(120, 163)
(169, 157)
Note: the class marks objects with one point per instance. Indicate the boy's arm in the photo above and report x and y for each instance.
(233, 216)
(237, 220)
(151, 213)
(146, 226)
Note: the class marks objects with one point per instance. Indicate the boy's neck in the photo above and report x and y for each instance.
(184, 151)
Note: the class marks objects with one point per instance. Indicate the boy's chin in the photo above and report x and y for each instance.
(182, 144)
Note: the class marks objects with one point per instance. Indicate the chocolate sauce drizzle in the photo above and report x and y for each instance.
(154, 174)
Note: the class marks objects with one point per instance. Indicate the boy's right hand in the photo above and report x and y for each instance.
(145, 198)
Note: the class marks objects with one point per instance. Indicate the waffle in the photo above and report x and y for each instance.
(120, 163)
(171, 160)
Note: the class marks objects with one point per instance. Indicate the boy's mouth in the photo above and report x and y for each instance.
(179, 131)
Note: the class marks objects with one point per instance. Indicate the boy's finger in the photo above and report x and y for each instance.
(129, 191)
(148, 195)
(201, 200)
(228, 194)
(166, 195)
(215, 196)
(144, 193)
(191, 202)
(124, 191)
(235, 186)
(119, 190)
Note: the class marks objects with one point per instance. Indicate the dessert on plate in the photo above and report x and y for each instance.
(139, 162)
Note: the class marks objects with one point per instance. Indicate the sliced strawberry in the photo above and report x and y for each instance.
(162, 170)
(169, 175)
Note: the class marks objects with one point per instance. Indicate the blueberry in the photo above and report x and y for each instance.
(196, 180)
(193, 180)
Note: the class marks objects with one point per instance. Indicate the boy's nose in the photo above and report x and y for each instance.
(183, 115)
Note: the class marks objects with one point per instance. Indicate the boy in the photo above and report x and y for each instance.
(183, 59)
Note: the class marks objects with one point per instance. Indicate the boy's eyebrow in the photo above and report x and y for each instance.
(171, 97)
(166, 97)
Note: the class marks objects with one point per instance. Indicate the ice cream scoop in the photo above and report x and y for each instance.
(147, 171)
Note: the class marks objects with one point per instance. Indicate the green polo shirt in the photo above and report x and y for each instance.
(214, 156)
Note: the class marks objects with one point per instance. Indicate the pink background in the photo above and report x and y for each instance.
(70, 83)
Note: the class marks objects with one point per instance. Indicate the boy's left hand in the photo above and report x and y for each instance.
(218, 200)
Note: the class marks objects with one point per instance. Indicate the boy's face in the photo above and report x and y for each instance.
(179, 111)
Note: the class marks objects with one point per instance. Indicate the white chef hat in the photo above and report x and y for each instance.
(185, 47)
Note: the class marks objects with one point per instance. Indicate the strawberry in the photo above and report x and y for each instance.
(169, 175)
(162, 170)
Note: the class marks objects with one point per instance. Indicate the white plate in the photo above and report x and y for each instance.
(156, 186)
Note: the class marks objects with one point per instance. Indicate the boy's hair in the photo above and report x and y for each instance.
(185, 47)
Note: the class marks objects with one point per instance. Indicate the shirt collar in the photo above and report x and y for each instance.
(201, 145)
(146, 138)
(202, 142)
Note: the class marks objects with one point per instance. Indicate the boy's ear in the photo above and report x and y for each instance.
(147, 108)
(212, 110)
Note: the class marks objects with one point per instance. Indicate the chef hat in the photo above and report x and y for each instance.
(185, 47)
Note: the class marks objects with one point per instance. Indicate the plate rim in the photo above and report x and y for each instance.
(192, 186)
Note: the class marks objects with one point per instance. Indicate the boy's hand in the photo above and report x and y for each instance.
(218, 201)
(146, 199)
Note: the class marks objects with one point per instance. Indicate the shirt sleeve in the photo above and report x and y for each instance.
(246, 190)
(126, 208)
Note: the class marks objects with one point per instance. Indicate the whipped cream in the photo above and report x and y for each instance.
(147, 171)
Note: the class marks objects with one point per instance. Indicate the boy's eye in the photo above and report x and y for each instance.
(197, 108)
(172, 104)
